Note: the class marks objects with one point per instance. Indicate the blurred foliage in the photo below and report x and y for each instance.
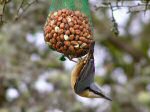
(23, 63)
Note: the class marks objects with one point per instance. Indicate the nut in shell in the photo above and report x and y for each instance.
(67, 43)
(52, 22)
(62, 25)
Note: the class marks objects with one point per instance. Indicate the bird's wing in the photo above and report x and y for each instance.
(86, 76)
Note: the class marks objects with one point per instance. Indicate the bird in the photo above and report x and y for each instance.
(82, 78)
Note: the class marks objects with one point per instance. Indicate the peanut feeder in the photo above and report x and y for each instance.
(68, 32)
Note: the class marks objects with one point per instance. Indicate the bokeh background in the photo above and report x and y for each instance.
(33, 79)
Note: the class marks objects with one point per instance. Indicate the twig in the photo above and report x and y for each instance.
(2, 14)
(24, 9)
(106, 5)
(138, 9)
(115, 25)
(146, 6)
(21, 5)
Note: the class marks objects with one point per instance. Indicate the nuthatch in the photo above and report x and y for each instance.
(82, 78)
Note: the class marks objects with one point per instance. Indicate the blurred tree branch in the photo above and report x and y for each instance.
(117, 5)
(24, 5)
(137, 7)
(2, 12)
(23, 8)
(123, 46)
(119, 43)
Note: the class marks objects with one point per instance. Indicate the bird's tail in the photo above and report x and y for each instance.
(95, 88)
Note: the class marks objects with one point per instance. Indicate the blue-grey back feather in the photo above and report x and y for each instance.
(86, 77)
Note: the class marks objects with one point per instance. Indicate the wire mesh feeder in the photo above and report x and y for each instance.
(68, 27)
